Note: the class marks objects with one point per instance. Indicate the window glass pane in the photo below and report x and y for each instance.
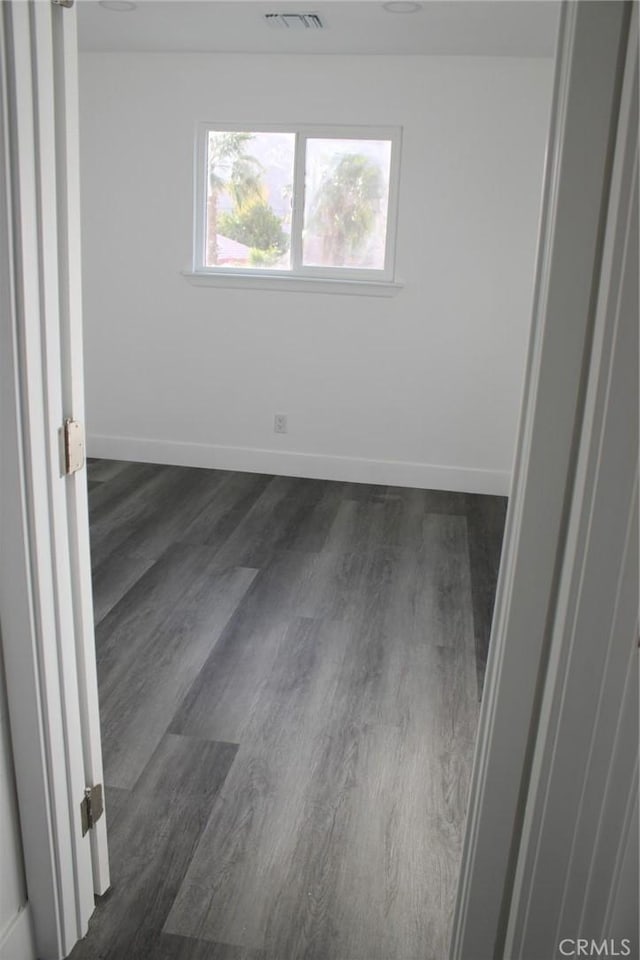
(346, 200)
(249, 191)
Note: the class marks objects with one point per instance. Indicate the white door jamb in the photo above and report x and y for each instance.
(36, 579)
(589, 66)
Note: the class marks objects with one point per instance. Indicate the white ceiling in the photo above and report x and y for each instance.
(522, 28)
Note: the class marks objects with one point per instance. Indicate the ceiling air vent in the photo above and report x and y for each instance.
(294, 21)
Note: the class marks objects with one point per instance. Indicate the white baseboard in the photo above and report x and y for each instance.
(16, 941)
(288, 463)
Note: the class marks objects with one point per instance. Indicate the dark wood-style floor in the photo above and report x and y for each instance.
(289, 676)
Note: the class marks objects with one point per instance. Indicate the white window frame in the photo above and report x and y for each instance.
(298, 276)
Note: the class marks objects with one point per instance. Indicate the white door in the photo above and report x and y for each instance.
(45, 586)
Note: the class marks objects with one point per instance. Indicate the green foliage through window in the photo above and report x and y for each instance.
(346, 206)
(256, 225)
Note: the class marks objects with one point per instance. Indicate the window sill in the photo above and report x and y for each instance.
(297, 284)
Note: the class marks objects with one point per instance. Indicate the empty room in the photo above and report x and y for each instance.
(319, 514)
(308, 248)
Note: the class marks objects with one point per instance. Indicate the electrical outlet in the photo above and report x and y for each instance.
(280, 423)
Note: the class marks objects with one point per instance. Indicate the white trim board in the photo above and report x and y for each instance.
(289, 463)
(294, 284)
(16, 942)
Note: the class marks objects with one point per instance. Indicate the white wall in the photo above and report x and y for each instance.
(423, 388)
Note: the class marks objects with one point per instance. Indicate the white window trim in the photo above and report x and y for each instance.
(321, 279)
(292, 283)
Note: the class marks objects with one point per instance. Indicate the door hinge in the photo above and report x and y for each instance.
(73, 446)
(91, 808)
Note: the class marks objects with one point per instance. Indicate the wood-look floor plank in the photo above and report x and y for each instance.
(357, 884)
(362, 525)
(414, 762)
(434, 501)
(151, 515)
(101, 470)
(292, 585)
(393, 517)
(222, 699)
(164, 595)
(220, 703)
(234, 497)
(152, 841)
(282, 518)
(414, 593)
(106, 496)
(114, 577)
(151, 648)
(374, 872)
